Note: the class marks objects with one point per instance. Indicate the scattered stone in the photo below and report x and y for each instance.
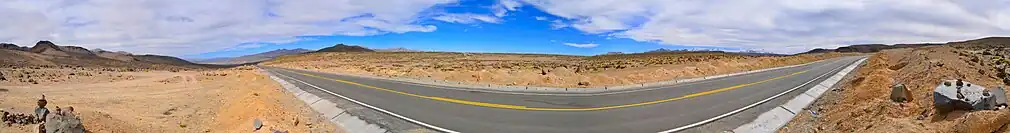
(64, 122)
(257, 124)
(899, 93)
(998, 99)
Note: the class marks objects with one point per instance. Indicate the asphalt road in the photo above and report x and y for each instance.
(652, 110)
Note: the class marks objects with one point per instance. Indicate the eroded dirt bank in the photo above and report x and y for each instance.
(861, 103)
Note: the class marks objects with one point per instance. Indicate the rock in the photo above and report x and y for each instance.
(584, 83)
(982, 122)
(999, 99)
(64, 123)
(1006, 80)
(965, 96)
(899, 93)
(257, 124)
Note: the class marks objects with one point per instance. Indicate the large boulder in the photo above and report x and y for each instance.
(998, 99)
(900, 93)
(959, 95)
(64, 123)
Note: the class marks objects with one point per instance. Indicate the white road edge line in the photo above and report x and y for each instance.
(751, 105)
(374, 108)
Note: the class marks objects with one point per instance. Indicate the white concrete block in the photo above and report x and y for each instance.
(342, 117)
(817, 90)
(767, 122)
(798, 103)
(327, 108)
(309, 98)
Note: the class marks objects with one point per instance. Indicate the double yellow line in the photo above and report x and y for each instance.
(519, 107)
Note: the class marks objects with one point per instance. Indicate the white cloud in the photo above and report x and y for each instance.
(180, 27)
(784, 26)
(467, 18)
(541, 18)
(501, 8)
(558, 24)
(584, 45)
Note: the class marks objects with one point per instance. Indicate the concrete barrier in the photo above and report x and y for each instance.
(328, 110)
(779, 116)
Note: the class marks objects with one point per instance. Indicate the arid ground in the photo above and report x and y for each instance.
(861, 103)
(226, 100)
(117, 92)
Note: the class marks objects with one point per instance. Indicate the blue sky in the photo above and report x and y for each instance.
(224, 28)
(518, 32)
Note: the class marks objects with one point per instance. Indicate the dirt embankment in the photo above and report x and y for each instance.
(540, 70)
(226, 100)
(861, 103)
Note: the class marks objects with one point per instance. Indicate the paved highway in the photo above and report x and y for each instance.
(650, 110)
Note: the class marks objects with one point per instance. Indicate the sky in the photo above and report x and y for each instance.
(226, 28)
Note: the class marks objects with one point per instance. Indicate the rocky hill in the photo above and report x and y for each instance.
(9, 46)
(48, 54)
(867, 48)
(345, 48)
(255, 57)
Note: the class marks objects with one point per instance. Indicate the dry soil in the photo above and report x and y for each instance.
(226, 100)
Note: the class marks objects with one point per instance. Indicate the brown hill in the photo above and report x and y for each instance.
(9, 46)
(76, 50)
(48, 54)
(254, 57)
(48, 48)
(159, 59)
(121, 55)
(344, 48)
(867, 48)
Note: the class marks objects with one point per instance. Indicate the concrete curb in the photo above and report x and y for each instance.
(776, 118)
(328, 110)
(532, 90)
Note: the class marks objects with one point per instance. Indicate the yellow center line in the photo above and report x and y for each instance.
(519, 107)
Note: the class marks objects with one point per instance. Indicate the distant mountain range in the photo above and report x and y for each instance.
(51, 53)
(259, 57)
(345, 48)
(867, 48)
(400, 49)
(254, 57)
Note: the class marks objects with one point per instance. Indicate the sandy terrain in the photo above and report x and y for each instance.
(861, 104)
(226, 100)
(538, 69)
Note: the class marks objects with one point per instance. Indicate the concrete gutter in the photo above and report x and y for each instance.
(532, 90)
(779, 116)
(328, 109)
